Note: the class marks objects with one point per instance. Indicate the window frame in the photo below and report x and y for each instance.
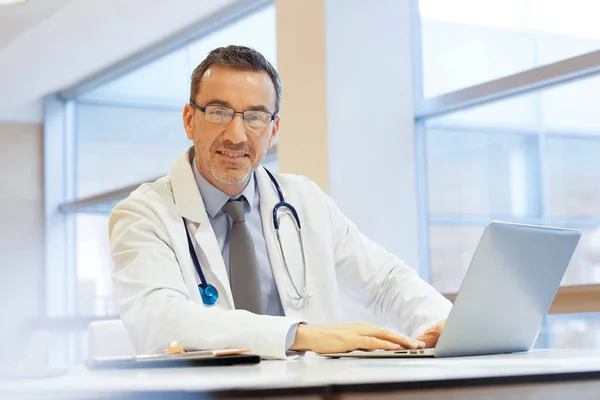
(569, 299)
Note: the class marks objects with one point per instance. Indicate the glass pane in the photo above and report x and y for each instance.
(471, 172)
(94, 266)
(500, 38)
(451, 250)
(579, 331)
(585, 264)
(258, 31)
(166, 81)
(121, 146)
(571, 108)
(572, 170)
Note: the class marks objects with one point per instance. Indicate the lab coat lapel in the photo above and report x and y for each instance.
(189, 205)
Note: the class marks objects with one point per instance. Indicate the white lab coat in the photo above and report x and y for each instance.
(156, 282)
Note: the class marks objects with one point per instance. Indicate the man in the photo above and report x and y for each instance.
(277, 290)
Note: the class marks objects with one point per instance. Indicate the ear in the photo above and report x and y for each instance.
(188, 121)
(274, 131)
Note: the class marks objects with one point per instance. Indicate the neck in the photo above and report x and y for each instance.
(232, 190)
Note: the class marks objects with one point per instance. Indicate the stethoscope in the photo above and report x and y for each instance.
(210, 295)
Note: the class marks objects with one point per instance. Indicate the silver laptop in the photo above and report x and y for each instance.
(508, 289)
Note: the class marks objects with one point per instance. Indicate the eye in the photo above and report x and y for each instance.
(257, 116)
(218, 111)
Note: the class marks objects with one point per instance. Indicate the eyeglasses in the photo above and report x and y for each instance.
(253, 119)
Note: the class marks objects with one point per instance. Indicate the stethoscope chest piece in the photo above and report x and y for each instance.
(209, 294)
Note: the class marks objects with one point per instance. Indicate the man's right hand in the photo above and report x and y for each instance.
(348, 337)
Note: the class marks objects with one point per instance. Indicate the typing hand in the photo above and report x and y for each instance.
(348, 337)
(431, 335)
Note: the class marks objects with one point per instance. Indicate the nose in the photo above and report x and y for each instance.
(235, 131)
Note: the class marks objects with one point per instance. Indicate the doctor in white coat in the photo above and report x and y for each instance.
(285, 293)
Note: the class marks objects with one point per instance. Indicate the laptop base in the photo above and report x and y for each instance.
(418, 353)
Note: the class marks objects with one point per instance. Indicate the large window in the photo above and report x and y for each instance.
(537, 165)
(121, 145)
(505, 136)
(128, 131)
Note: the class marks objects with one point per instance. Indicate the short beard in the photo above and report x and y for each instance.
(230, 178)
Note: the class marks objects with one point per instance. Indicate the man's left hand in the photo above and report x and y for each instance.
(431, 335)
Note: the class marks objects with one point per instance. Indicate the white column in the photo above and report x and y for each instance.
(347, 112)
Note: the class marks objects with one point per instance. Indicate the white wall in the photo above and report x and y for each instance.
(21, 234)
(370, 120)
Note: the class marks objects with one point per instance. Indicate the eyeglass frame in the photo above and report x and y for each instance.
(203, 110)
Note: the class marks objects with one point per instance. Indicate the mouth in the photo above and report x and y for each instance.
(232, 154)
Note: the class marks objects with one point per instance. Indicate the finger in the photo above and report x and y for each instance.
(430, 338)
(371, 343)
(404, 341)
(431, 335)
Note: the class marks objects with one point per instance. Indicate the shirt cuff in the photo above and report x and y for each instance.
(289, 340)
(291, 336)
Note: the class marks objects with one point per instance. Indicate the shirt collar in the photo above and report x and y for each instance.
(214, 198)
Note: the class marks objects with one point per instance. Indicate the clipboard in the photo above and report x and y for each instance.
(201, 358)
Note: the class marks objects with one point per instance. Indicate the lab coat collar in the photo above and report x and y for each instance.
(265, 185)
(188, 200)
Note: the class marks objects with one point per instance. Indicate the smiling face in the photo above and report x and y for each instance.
(228, 153)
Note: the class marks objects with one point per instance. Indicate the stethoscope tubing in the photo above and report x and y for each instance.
(209, 293)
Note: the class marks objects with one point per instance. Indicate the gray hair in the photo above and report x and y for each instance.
(241, 58)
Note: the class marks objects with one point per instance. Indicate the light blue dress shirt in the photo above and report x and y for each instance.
(214, 200)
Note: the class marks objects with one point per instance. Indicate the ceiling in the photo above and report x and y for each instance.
(18, 19)
(51, 45)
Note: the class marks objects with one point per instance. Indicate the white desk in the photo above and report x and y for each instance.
(313, 375)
